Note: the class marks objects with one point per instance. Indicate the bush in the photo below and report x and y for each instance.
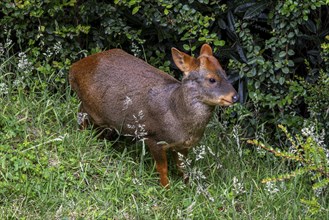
(272, 49)
(310, 156)
(275, 47)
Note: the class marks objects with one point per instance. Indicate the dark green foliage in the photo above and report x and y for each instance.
(274, 47)
(271, 49)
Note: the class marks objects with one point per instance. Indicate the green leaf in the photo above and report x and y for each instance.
(311, 26)
(313, 205)
(252, 73)
(291, 52)
(136, 9)
(281, 80)
(282, 54)
(322, 183)
(186, 47)
(305, 17)
(291, 63)
(278, 65)
(231, 21)
(219, 43)
(255, 10)
(291, 34)
(241, 53)
(285, 70)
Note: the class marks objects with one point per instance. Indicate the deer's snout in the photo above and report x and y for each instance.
(235, 98)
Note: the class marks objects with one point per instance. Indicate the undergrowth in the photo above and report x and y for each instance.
(50, 169)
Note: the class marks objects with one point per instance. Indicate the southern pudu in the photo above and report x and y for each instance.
(121, 92)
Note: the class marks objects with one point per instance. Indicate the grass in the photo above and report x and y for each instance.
(50, 169)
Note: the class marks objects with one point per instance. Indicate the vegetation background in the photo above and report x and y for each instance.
(266, 157)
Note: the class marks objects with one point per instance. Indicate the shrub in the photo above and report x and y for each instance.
(310, 156)
(271, 48)
(274, 47)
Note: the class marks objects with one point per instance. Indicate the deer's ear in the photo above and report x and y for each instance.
(206, 50)
(184, 62)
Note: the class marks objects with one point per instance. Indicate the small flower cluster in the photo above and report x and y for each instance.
(81, 117)
(318, 138)
(139, 129)
(2, 50)
(236, 136)
(195, 175)
(135, 49)
(51, 51)
(271, 188)
(319, 191)
(126, 102)
(6, 46)
(24, 65)
(199, 152)
(3, 89)
(237, 187)
(310, 131)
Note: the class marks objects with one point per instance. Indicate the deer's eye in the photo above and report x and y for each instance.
(212, 80)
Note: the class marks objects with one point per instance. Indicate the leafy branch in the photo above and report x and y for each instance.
(308, 152)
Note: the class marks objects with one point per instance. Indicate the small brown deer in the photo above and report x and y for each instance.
(121, 92)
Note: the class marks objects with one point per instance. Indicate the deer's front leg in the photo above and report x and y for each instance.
(159, 154)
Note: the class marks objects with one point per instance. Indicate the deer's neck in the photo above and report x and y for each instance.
(189, 107)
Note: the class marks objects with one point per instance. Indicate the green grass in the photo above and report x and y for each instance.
(50, 169)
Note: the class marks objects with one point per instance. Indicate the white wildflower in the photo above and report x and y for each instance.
(136, 181)
(2, 49)
(319, 139)
(237, 186)
(135, 49)
(199, 152)
(308, 131)
(8, 43)
(82, 117)
(197, 175)
(57, 48)
(48, 53)
(16, 82)
(318, 191)
(126, 103)
(24, 65)
(139, 128)
(271, 188)
(3, 89)
(236, 136)
(23, 61)
(211, 152)
(185, 161)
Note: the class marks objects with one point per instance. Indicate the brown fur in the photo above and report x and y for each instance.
(122, 92)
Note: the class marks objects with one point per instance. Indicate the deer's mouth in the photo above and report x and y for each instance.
(225, 102)
(220, 102)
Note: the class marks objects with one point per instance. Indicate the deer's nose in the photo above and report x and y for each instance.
(235, 98)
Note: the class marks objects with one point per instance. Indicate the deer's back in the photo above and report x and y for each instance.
(114, 86)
